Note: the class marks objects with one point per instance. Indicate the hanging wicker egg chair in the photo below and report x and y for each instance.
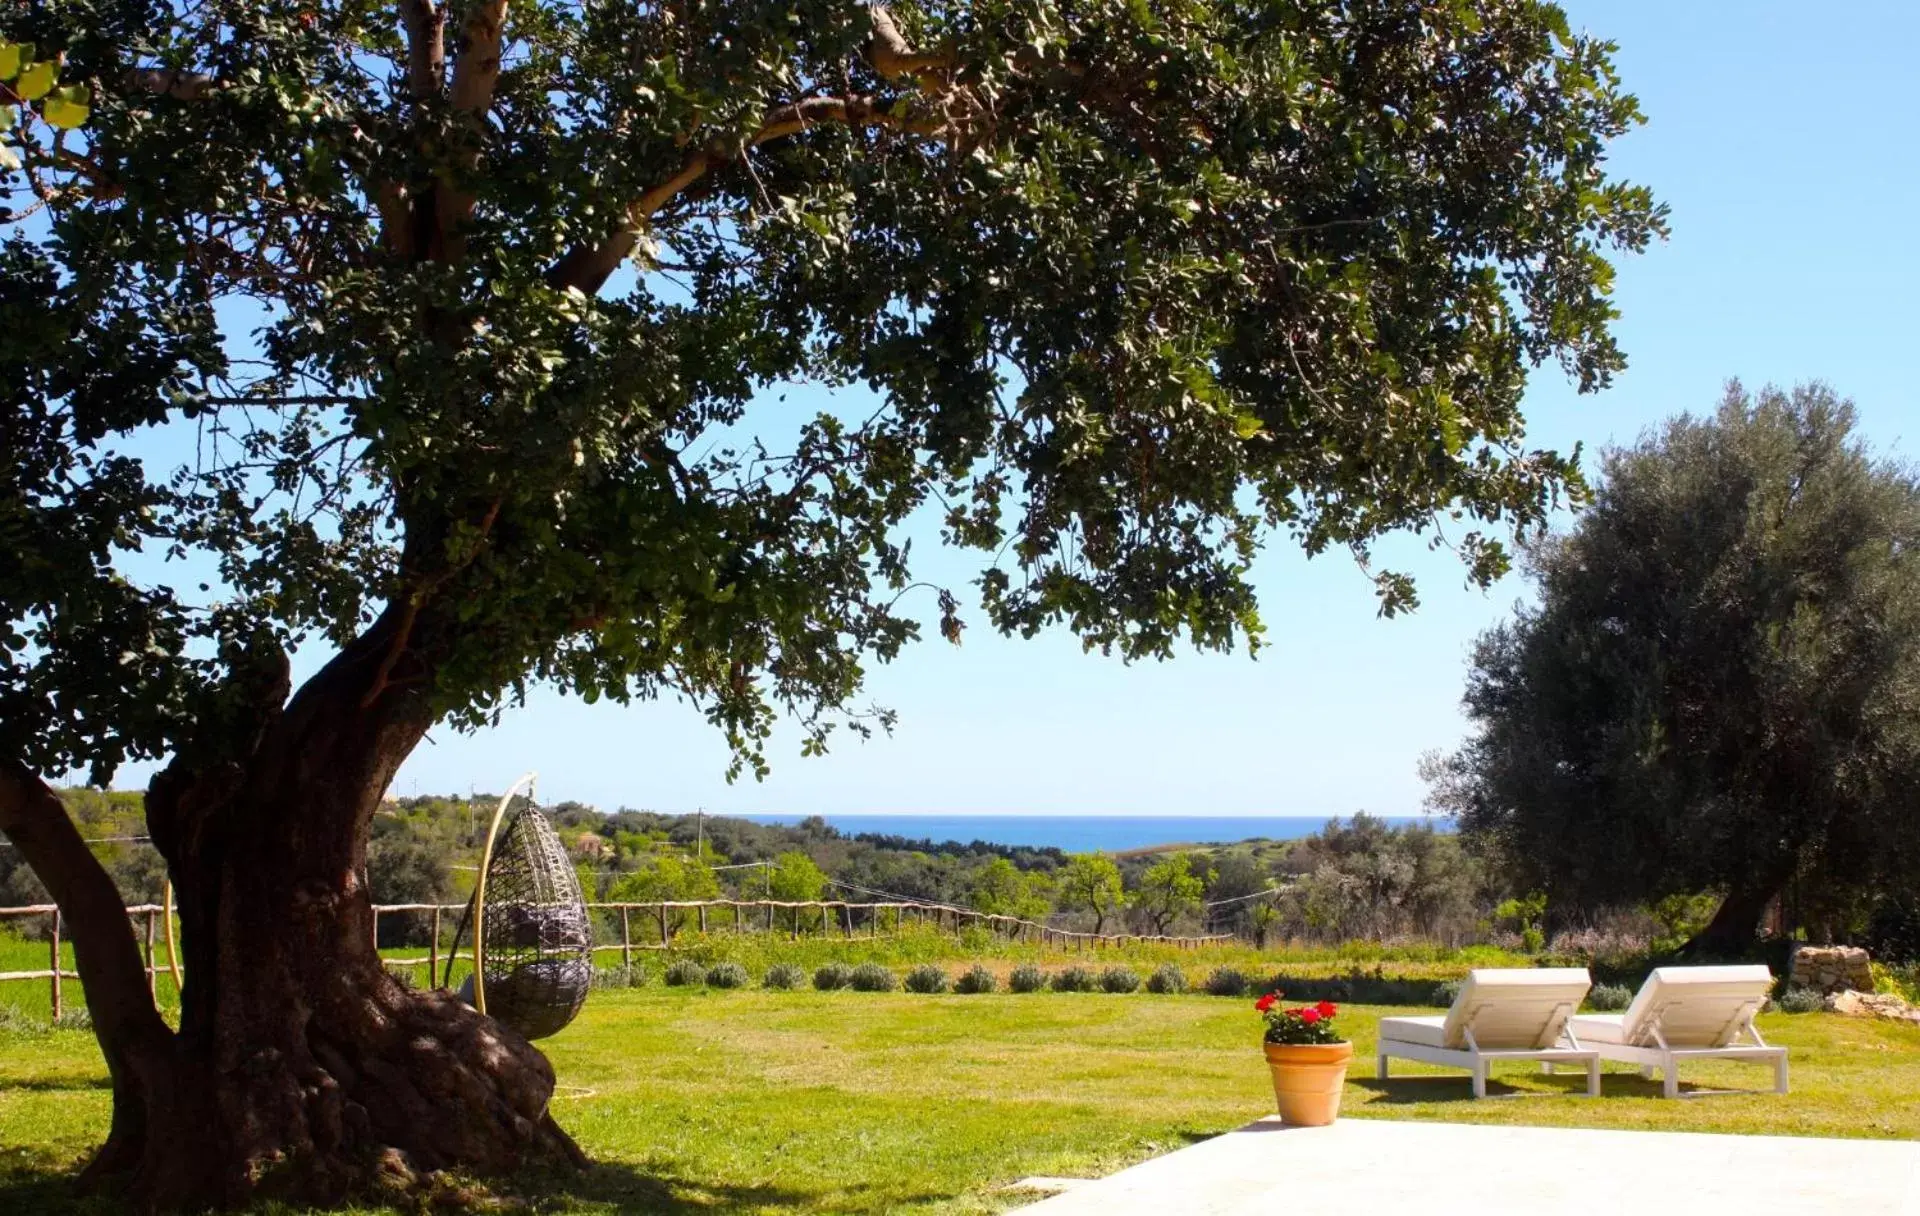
(533, 941)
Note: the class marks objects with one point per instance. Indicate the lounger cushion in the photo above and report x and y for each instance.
(1695, 1006)
(1427, 1032)
(1515, 1008)
(1591, 1028)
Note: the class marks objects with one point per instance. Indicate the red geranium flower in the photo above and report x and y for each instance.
(1266, 1002)
(1309, 1016)
(1326, 1009)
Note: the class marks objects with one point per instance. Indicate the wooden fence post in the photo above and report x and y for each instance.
(769, 916)
(433, 947)
(376, 931)
(665, 940)
(150, 976)
(703, 920)
(626, 938)
(55, 950)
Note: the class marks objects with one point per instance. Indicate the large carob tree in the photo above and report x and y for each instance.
(467, 315)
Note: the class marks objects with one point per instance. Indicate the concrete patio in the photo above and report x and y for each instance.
(1383, 1166)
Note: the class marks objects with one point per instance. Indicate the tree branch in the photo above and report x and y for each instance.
(476, 68)
(892, 57)
(426, 24)
(588, 268)
(93, 912)
(410, 613)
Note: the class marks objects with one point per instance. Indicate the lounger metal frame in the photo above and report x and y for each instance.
(1475, 1059)
(1666, 1059)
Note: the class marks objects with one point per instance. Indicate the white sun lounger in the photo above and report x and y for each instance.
(1502, 1013)
(1688, 1013)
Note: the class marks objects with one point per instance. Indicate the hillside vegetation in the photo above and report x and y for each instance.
(1359, 878)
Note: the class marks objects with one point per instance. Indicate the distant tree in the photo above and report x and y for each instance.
(1716, 689)
(403, 871)
(1091, 882)
(999, 888)
(1261, 922)
(665, 876)
(1237, 876)
(1170, 888)
(795, 876)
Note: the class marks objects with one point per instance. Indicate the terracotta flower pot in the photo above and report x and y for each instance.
(1307, 1080)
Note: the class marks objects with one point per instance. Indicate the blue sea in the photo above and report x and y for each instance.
(1085, 833)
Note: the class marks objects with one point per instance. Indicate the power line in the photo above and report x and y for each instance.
(1240, 899)
(904, 899)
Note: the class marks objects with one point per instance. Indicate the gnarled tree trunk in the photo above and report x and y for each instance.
(300, 1068)
(1736, 922)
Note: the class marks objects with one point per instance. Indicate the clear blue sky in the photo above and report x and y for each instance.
(1782, 136)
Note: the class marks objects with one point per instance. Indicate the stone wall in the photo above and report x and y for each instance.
(1831, 969)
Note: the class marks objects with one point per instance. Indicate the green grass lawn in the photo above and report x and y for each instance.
(697, 1101)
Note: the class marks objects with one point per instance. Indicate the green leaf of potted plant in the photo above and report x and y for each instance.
(1308, 1060)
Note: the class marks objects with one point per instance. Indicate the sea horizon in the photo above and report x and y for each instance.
(1081, 833)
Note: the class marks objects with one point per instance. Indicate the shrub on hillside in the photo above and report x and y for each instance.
(1167, 979)
(1609, 998)
(833, 975)
(1802, 1000)
(728, 975)
(1119, 979)
(1076, 979)
(871, 977)
(1026, 978)
(1227, 981)
(927, 978)
(975, 979)
(686, 973)
(74, 1017)
(1902, 981)
(785, 976)
(1446, 992)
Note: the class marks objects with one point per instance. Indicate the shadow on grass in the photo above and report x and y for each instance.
(1414, 1091)
(616, 1186)
(55, 1082)
(602, 1187)
(48, 1191)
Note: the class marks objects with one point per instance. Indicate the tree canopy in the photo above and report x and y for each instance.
(468, 309)
(1091, 881)
(1171, 888)
(1716, 689)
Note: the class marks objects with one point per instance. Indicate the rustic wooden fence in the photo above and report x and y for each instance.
(656, 927)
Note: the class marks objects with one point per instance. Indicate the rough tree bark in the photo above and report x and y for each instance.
(1736, 922)
(301, 1069)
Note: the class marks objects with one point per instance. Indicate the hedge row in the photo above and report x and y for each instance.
(1360, 986)
(1356, 986)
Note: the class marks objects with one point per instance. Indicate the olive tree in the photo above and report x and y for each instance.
(474, 316)
(1715, 690)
